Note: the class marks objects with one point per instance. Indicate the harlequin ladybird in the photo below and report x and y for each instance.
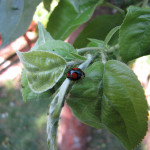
(75, 74)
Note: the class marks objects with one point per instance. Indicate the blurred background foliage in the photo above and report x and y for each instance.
(42, 15)
(22, 125)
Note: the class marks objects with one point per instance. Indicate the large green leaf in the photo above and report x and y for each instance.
(70, 14)
(98, 28)
(114, 98)
(124, 107)
(43, 69)
(86, 96)
(67, 51)
(28, 94)
(15, 18)
(134, 34)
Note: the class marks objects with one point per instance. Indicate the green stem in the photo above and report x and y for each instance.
(54, 114)
(115, 7)
(57, 104)
(89, 59)
(70, 63)
(113, 48)
(86, 49)
(87, 62)
(104, 60)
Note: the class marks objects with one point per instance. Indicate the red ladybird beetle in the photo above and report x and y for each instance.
(75, 74)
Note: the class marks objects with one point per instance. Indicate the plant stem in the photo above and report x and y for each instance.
(54, 114)
(89, 59)
(103, 58)
(113, 48)
(70, 63)
(115, 7)
(82, 50)
(87, 62)
(56, 107)
(110, 50)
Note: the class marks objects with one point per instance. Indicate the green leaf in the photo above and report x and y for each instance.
(111, 96)
(43, 69)
(98, 28)
(28, 94)
(61, 48)
(134, 34)
(44, 37)
(77, 57)
(110, 34)
(95, 43)
(46, 43)
(47, 4)
(57, 45)
(16, 16)
(68, 15)
(124, 107)
(54, 114)
(86, 96)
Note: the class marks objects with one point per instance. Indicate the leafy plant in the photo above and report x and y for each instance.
(110, 96)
